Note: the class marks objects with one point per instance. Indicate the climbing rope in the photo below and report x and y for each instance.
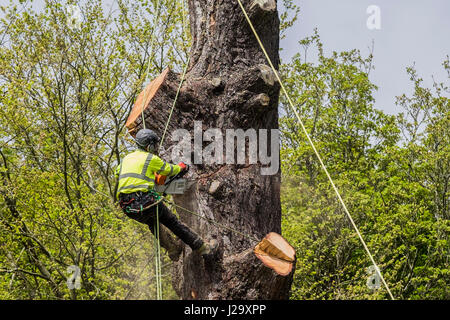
(147, 76)
(156, 227)
(314, 148)
(181, 81)
(157, 241)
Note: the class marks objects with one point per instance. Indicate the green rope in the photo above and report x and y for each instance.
(157, 242)
(156, 229)
(159, 198)
(184, 27)
(157, 257)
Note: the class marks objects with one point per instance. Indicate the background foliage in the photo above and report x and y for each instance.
(65, 96)
(393, 173)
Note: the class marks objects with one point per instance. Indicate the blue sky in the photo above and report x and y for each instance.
(412, 31)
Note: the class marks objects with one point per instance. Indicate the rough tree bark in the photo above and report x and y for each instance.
(228, 85)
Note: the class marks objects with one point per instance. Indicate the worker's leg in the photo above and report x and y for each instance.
(167, 218)
(131, 203)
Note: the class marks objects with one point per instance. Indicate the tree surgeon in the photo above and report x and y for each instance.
(139, 201)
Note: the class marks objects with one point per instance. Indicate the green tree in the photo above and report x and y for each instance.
(400, 216)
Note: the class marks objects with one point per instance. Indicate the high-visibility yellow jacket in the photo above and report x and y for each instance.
(137, 170)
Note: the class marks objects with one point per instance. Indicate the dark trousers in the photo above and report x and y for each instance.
(133, 203)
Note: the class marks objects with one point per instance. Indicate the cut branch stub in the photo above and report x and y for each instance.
(143, 102)
(276, 253)
(267, 74)
(261, 99)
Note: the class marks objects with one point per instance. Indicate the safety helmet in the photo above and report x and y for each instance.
(147, 139)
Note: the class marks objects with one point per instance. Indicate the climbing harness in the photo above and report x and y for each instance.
(153, 200)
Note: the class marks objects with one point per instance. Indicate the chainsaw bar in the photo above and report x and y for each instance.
(176, 186)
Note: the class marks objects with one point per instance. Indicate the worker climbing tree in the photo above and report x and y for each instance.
(137, 175)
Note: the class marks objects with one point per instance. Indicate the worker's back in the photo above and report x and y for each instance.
(137, 171)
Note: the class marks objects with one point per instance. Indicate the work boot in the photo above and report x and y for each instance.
(208, 249)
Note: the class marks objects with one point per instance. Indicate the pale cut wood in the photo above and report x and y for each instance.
(276, 253)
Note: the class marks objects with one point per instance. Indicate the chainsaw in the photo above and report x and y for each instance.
(174, 185)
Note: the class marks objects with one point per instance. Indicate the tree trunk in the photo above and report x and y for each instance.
(228, 85)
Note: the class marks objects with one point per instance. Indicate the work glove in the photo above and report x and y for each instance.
(184, 167)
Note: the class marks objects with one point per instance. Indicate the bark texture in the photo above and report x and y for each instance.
(228, 85)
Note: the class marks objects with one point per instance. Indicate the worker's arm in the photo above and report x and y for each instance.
(163, 168)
